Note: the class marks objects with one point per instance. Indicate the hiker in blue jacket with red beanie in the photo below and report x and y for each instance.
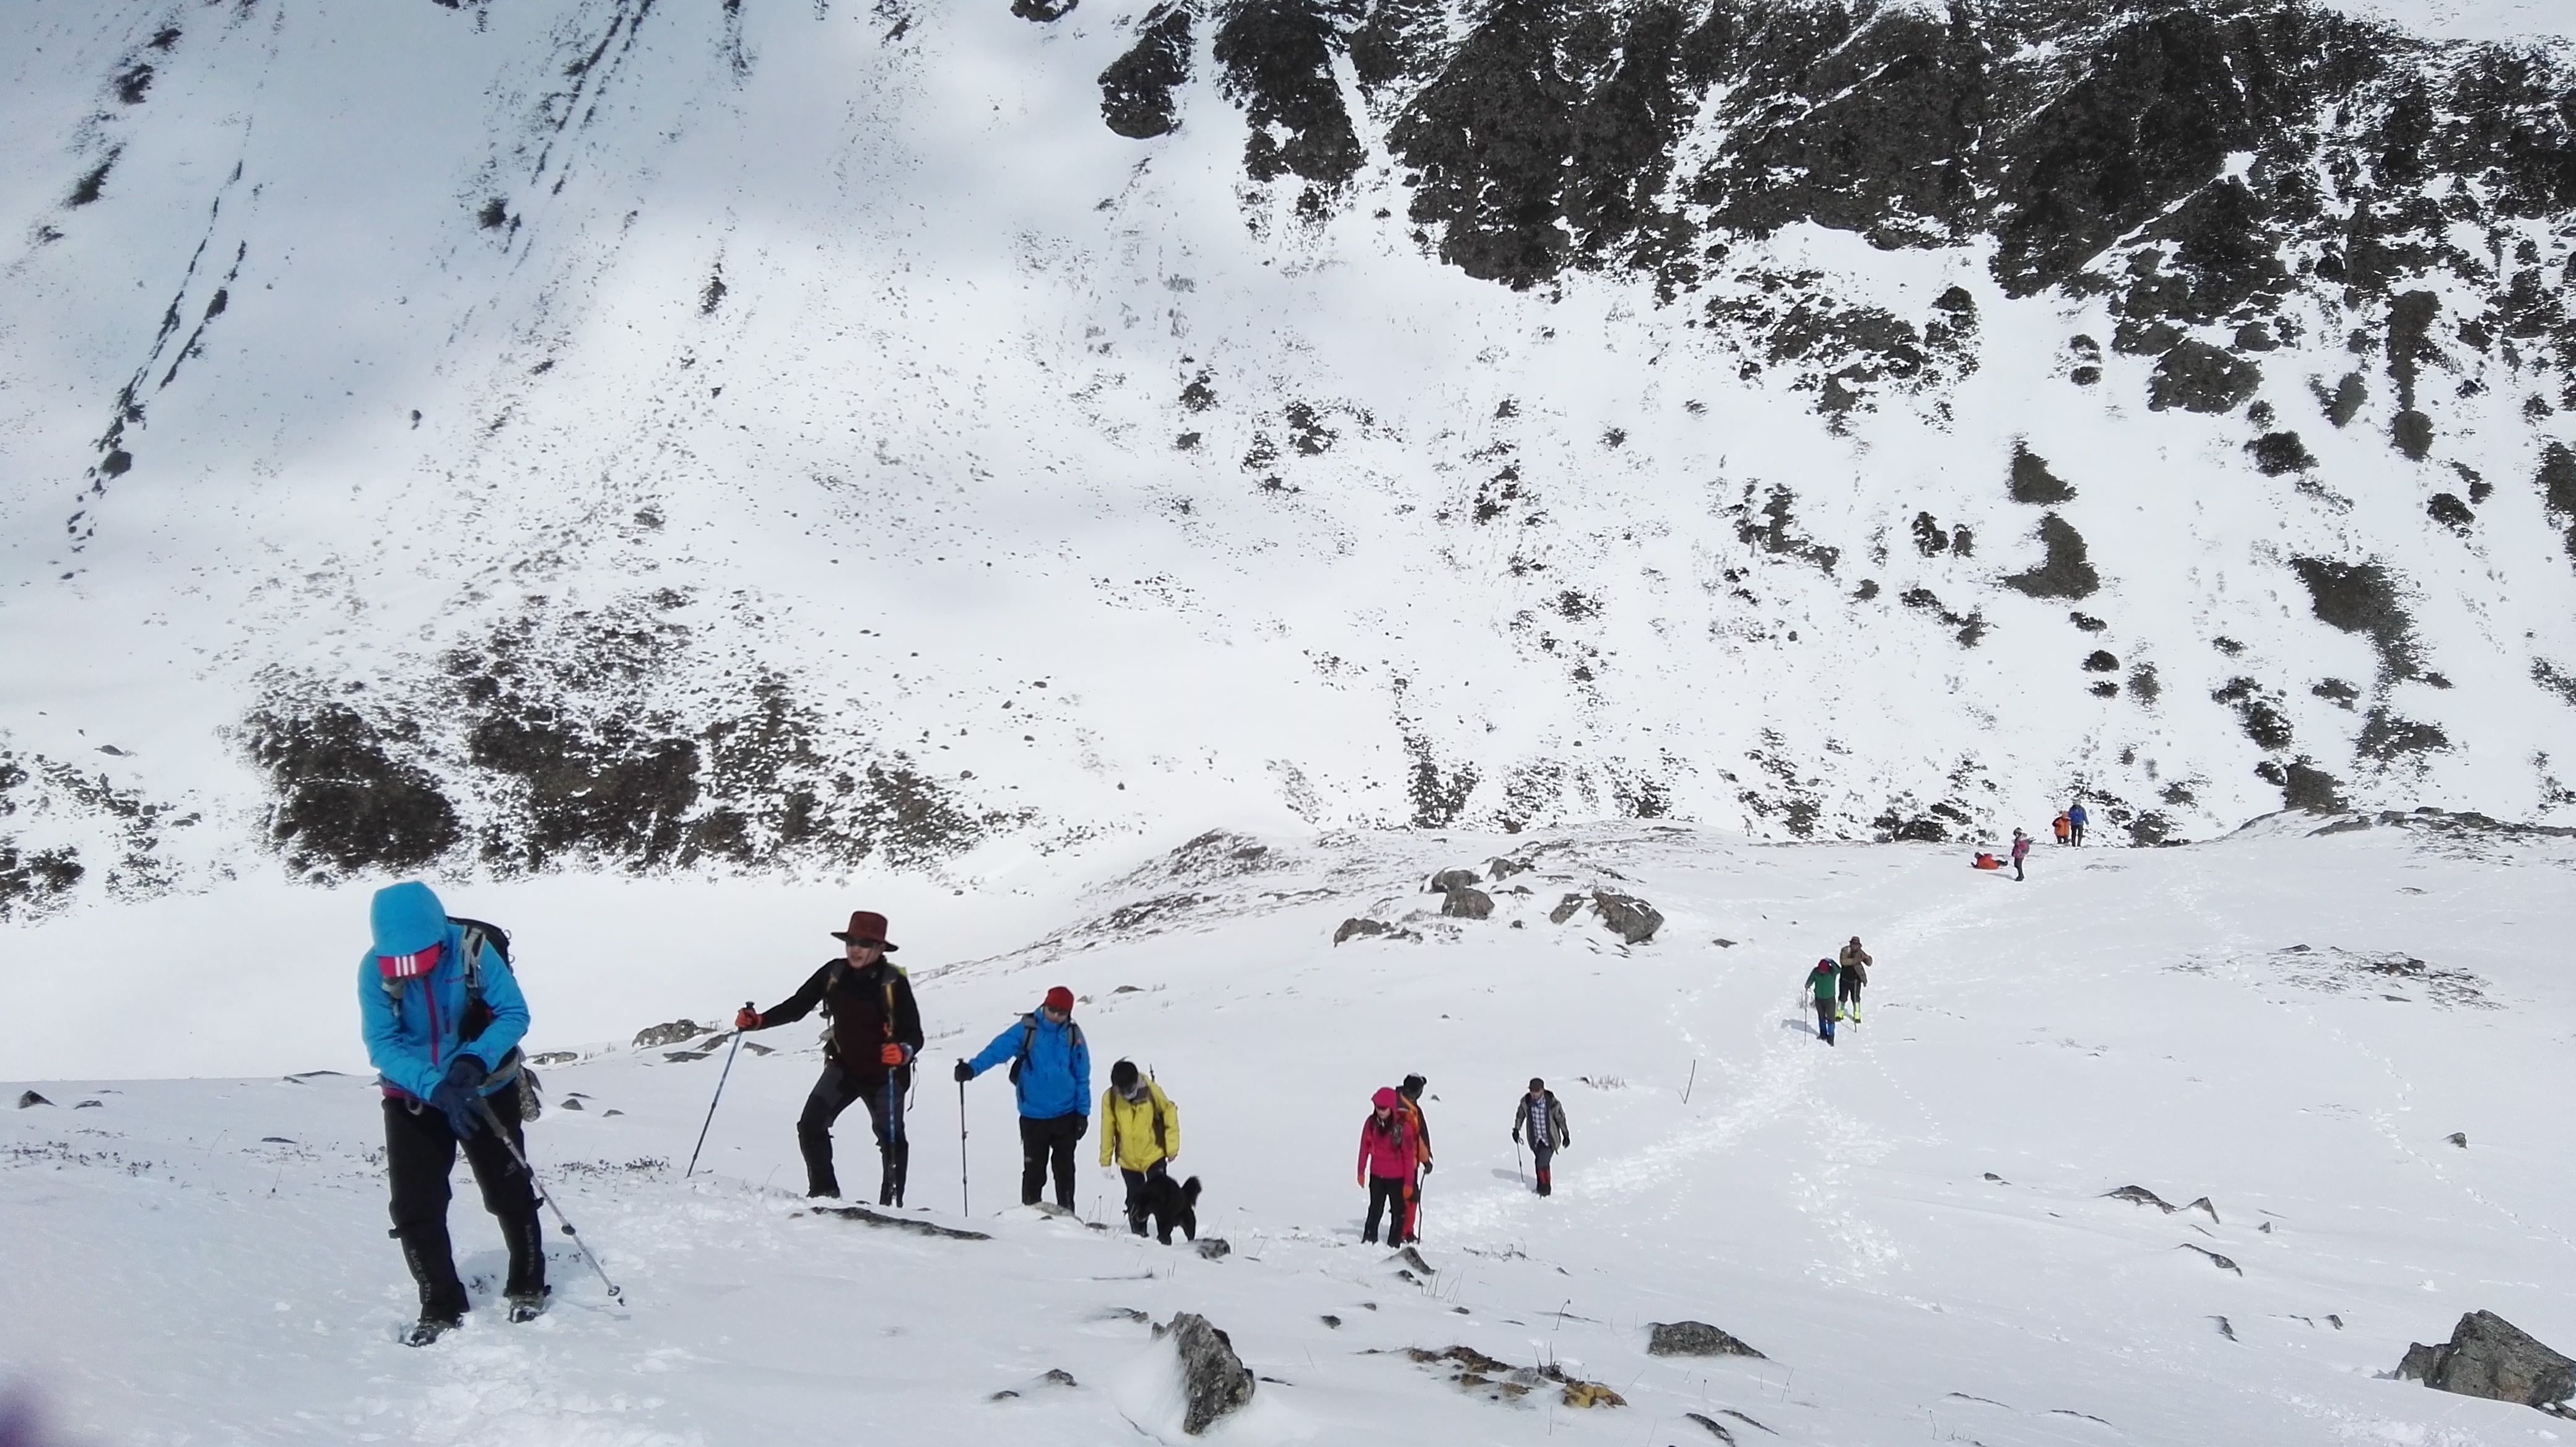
(1051, 1070)
(443, 1032)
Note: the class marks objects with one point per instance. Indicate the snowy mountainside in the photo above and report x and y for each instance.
(1913, 1226)
(601, 434)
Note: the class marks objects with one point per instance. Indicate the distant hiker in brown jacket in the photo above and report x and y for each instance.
(1855, 973)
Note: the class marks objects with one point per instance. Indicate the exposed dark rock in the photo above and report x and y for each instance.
(653, 1037)
(1136, 89)
(2065, 571)
(1278, 65)
(1565, 909)
(1358, 928)
(866, 1217)
(2447, 509)
(2221, 1262)
(2385, 737)
(1043, 11)
(1212, 1248)
(2362, 598)
(2101, 661)
(2557, 481)
(343, 800)
(2257, 710)
(2458, 1138)
(1694, 1339)
(28, 1098)
(1633, 920)
(1214, 1381)
(1449, 879)
(1502, 868)
(2033, 483)
(2345, 402)
(2490, 1357)
(2198, 377)
(2275, 453)
(1466, 902)
(2142, 1196)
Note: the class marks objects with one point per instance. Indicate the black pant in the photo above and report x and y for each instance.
(2076, 830)
(2016, 866)
(420, 1154)
(833, 1093)
(1540, 1156)
(1136, 1193)
(1386, 1198)
(1049, 1142)
(1849, 989)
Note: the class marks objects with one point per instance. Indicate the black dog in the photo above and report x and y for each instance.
(1171, 1205)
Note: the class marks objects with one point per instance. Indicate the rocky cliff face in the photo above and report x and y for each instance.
(825, 435)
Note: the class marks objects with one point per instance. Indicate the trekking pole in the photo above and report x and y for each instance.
(494, 1119)
(963, 1209)
(1516, 1160)
(711, 1105)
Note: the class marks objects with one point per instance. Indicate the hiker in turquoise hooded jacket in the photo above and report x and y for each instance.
(444, 1039)
(1051, 1069)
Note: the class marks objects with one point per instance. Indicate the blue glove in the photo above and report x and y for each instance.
(456, 1096)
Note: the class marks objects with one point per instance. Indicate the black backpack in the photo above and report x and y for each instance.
(1028, 1037)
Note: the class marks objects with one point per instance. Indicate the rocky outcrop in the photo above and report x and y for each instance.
(1632, 919)
(1214, 1381)
(653, 1037)
(1465, 902)
(1694, 1339)
(2488, 1356)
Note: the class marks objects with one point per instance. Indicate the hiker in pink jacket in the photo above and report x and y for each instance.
(1386, 1164)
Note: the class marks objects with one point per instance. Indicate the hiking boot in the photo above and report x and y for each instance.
(527, 1306)
(429, 1329)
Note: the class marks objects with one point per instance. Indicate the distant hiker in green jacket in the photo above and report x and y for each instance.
(1821, 982)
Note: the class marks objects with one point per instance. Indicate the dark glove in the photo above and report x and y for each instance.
(1426, 1168)
(1081, 1126)
(455, 1096)
(965, 1072)
(746, 1018)
(1516, 1137)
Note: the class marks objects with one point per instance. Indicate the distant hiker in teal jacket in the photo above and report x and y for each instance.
(443, 1032)
(1051, 1069)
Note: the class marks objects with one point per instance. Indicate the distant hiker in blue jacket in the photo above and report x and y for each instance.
(2075, 820)
(1051, 1068)
(443, 1032)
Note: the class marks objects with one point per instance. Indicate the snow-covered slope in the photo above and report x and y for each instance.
(605, 434)
(1911, 1225)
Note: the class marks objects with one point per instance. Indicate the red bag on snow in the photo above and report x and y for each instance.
(1988, 861)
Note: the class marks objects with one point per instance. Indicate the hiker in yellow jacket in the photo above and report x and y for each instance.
(1140, 1129)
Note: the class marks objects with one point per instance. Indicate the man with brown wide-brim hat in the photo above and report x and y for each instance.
(876, 1031)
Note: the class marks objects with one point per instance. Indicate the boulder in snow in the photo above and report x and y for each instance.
(1694, 1339)
(1357, 928)
(1214, 1380)
(1466, 902)
(1565, 909)
(28, 1097)
(1214, 1248)
(2488, 1356)
(1632, 919)
(1449, 879)
(1499, 868)
(652, 1036)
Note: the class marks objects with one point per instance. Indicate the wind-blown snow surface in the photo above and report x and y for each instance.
(1911, 1225)
(595, 432)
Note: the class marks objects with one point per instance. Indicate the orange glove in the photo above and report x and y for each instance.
(894, 1052)
(747, 1018)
